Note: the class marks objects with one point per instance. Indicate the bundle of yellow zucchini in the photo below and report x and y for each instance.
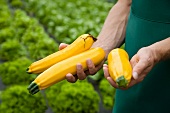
(54, 67)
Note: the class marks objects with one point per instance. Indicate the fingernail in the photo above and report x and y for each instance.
(69, 76)
(108, 78)
(88, 61)
(135, 75)
(104, 65)
(78, 66)
(61, 43)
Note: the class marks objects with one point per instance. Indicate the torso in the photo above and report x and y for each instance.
(149, 22)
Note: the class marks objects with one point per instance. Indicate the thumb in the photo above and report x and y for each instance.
(134, 60)
(139, 68)
(62, 46)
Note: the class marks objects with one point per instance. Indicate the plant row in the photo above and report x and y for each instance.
(31, 30)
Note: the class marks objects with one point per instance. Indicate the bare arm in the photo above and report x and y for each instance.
(111, 36)
(161, 49)
(113, 30)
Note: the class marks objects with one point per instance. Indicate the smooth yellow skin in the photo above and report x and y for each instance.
(81, 44)
(58, 71)
(118, 64)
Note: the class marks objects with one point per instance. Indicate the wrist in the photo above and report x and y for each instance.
(156, 53)
(105, 46)
(161, 49)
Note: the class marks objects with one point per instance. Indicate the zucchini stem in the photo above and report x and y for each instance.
(122, 82)
(33, 88)
(27, 70)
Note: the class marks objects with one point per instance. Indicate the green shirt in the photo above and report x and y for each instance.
(149, 22)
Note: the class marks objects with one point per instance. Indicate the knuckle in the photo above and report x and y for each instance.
(92, 72)
(79, 72)
(90, 66)
(140, 80)
(81, 76)
(72, 80)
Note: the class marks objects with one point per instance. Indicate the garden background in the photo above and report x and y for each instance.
(31, 30)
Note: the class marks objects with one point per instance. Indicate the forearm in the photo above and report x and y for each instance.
(161, 49)
(113, 30)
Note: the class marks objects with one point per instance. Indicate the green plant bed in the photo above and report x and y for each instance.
(16, 99)
(79, 97)
(67, 19)
(7, 33)
(16, 3)
(42, 48)
(11, 50)
(5, 15)
(108, 93)
(14, 72)
(25, 37)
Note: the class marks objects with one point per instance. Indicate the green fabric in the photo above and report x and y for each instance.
(149, 22)
(155, 10)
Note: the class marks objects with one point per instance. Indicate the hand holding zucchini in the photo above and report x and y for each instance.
(119, 66)
(58, 71)
(81, 44)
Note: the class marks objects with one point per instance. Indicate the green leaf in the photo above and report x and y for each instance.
(17, 99)
(79, 97)
(14, 72)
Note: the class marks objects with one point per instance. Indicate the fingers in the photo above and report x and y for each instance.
(71, 78)
(91, 67)
(107, 76)
(142, 63)
(113, 83)
(135, 75)
(80, 72)
(139, 66)
(141, 69)
(106, 71)
(135, 81)
(81, 75)
(133, 62)
(62, 46)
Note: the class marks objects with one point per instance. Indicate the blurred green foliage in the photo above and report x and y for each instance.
(16, 99)
(67, 19)
(25, 37)
(14, 72)
(11, 50)
(31, 30)
(79, 97)
(16, 3)
(5, 15)
(107, 92)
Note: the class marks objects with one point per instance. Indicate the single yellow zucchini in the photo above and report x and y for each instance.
(119, 66)
(58, 71)
(81, 44)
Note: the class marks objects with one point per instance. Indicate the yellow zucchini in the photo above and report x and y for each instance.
(81, 44)
(58, 71)
(119, 66)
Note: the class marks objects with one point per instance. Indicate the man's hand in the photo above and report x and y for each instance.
(142, 63)
(81, 74)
